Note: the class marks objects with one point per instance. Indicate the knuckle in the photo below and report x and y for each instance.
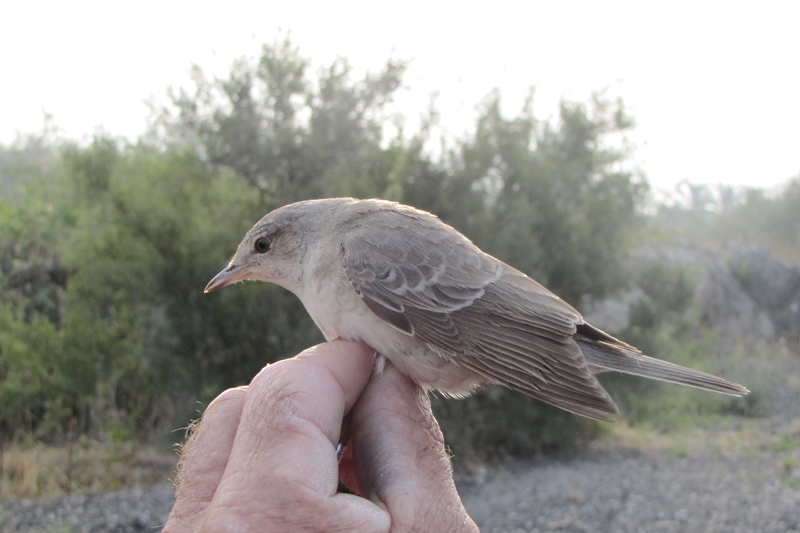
(273, 399)
(278, 514)
(231, 395)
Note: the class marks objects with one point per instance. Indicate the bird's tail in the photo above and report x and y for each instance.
(603, 356)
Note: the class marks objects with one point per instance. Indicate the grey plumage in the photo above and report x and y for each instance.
(444, 312)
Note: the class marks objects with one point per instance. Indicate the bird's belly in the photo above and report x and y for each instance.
(430, 367)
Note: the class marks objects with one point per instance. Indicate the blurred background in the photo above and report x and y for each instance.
(642, 164)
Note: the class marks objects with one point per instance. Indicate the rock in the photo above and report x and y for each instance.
(745, 292)
(773, 284)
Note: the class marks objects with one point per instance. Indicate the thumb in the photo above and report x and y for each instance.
(400, 456)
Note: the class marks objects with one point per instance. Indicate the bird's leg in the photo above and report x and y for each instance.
(344, 437)
(341, 448)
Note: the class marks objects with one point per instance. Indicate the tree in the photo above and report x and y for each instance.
(560, 204)
(114, 331)
(287, 138)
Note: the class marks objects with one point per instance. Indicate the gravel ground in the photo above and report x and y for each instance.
(124, 511)
(622, 492)
(614, 491)
(605, 489)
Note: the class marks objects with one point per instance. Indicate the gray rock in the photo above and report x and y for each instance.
(773, 284)
(758, 298)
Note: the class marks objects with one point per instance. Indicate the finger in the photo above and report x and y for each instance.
(401, 459)
(283, 458)
(203, 460)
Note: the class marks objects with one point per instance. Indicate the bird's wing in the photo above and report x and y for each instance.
(429, 281)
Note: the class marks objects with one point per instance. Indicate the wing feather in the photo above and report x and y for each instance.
(487, 316)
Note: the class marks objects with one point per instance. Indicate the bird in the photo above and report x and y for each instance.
(443, 312)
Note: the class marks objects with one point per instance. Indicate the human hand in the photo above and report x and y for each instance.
(263, 457)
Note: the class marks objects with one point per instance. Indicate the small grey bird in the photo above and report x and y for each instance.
(445, 313)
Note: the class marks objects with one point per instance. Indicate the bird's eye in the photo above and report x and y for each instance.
(262, 245)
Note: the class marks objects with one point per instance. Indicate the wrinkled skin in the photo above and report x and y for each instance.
(263, 457)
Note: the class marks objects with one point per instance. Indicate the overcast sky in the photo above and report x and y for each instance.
(713, 86)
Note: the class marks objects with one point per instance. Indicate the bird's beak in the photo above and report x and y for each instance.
(230, 275)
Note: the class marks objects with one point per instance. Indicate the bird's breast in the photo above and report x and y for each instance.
(333, 304)
(339, 312)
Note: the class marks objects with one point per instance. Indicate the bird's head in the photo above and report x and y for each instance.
(275, 249)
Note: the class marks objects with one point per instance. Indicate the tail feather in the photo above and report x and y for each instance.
(605, 356)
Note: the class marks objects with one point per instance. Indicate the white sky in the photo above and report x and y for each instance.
(714, 86)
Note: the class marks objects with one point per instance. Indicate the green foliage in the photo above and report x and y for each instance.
(665, 324)
(711, 215)
(558, 203)
(288, 138)
(33, 279)
(763, 220)
(30, 162)
(497, 423)
(104, 327)
(662, 316)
